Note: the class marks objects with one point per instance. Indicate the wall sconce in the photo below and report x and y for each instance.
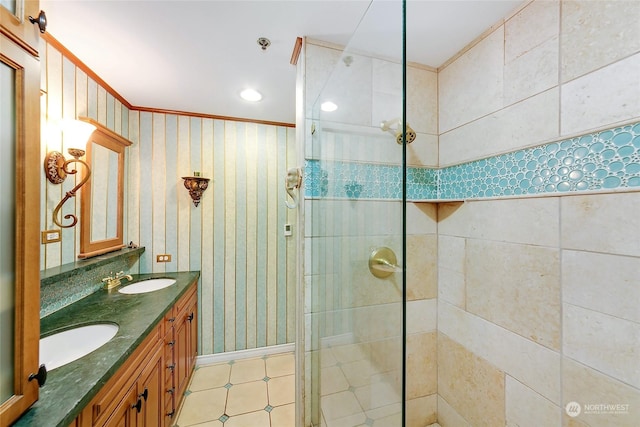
(196, 186)
(56, 167)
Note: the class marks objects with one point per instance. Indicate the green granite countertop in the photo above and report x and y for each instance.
(71, 387)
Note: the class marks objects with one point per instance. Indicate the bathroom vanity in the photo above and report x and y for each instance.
(139, 376)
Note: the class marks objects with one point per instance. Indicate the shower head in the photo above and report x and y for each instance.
(393, 127)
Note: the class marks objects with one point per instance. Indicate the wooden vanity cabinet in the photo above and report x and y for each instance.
(181, 338)
(143, 393)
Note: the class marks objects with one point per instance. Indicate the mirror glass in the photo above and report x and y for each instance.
(104, 192)
(102, 195)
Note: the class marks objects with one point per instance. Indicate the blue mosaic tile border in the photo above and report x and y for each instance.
(604, 160)
(348, 180)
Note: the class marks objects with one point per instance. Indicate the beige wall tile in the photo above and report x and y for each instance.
(320, 61)
(352, 91)
(517, 287)
(605, 223)
(422, 372)
(422, 100)
(587, 386)
(597, 33)
(422, 315)
(471, 385)
(423, 151)
(451, 270)
(422, 411)
(600, 282)
(526, 408)
(531, 73)
(532, 364)
(520, 125)
(603, 97)
(528, 221)
(531, 51)
(422, 270)
(471, 86)
(606, 343)
(531, 27)
(422, 218)
(448, 417)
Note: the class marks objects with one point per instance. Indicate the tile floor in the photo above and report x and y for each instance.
(354, 393)
(256, 392)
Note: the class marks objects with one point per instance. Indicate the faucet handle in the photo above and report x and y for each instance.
(120, 273)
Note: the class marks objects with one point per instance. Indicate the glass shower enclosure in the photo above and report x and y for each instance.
(354, 225)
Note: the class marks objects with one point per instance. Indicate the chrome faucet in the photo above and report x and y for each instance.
(113, 281)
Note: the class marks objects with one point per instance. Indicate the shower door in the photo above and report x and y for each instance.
(354, 213)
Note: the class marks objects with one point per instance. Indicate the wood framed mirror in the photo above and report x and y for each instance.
(102, 203)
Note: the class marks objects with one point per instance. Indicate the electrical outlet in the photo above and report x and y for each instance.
(50, 236)
(163, 258)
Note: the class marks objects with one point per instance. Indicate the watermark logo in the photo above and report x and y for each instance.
(573, 409)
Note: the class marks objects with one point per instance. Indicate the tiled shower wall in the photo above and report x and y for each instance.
(234, 237)
(535, 295)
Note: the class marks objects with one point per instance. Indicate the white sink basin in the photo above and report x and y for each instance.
(64, 347)
(145, 286)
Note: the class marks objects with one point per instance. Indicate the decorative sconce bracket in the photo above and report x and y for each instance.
(196, 186)
(56, 170)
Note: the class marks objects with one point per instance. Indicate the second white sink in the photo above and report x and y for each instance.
(145, 286)
(64, 347)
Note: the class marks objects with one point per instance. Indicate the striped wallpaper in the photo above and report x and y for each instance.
(234, 237)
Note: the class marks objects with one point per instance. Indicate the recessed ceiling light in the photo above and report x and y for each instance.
(251, 95)
(328, 106)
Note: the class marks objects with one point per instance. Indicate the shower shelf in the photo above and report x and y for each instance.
(437, 201)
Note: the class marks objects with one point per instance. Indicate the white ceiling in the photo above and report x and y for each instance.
(196, 56)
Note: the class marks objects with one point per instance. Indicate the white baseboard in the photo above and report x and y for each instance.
(208, 359)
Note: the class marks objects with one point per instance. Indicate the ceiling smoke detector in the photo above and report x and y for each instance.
(264, 43)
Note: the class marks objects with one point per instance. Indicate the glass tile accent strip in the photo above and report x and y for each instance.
(605, 160)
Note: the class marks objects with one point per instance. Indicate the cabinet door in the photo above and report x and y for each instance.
(125, 414)
(19, 224)
(15, 24)
(150, 392)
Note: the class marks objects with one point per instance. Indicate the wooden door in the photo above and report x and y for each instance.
(15, 24)
(19, 229)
